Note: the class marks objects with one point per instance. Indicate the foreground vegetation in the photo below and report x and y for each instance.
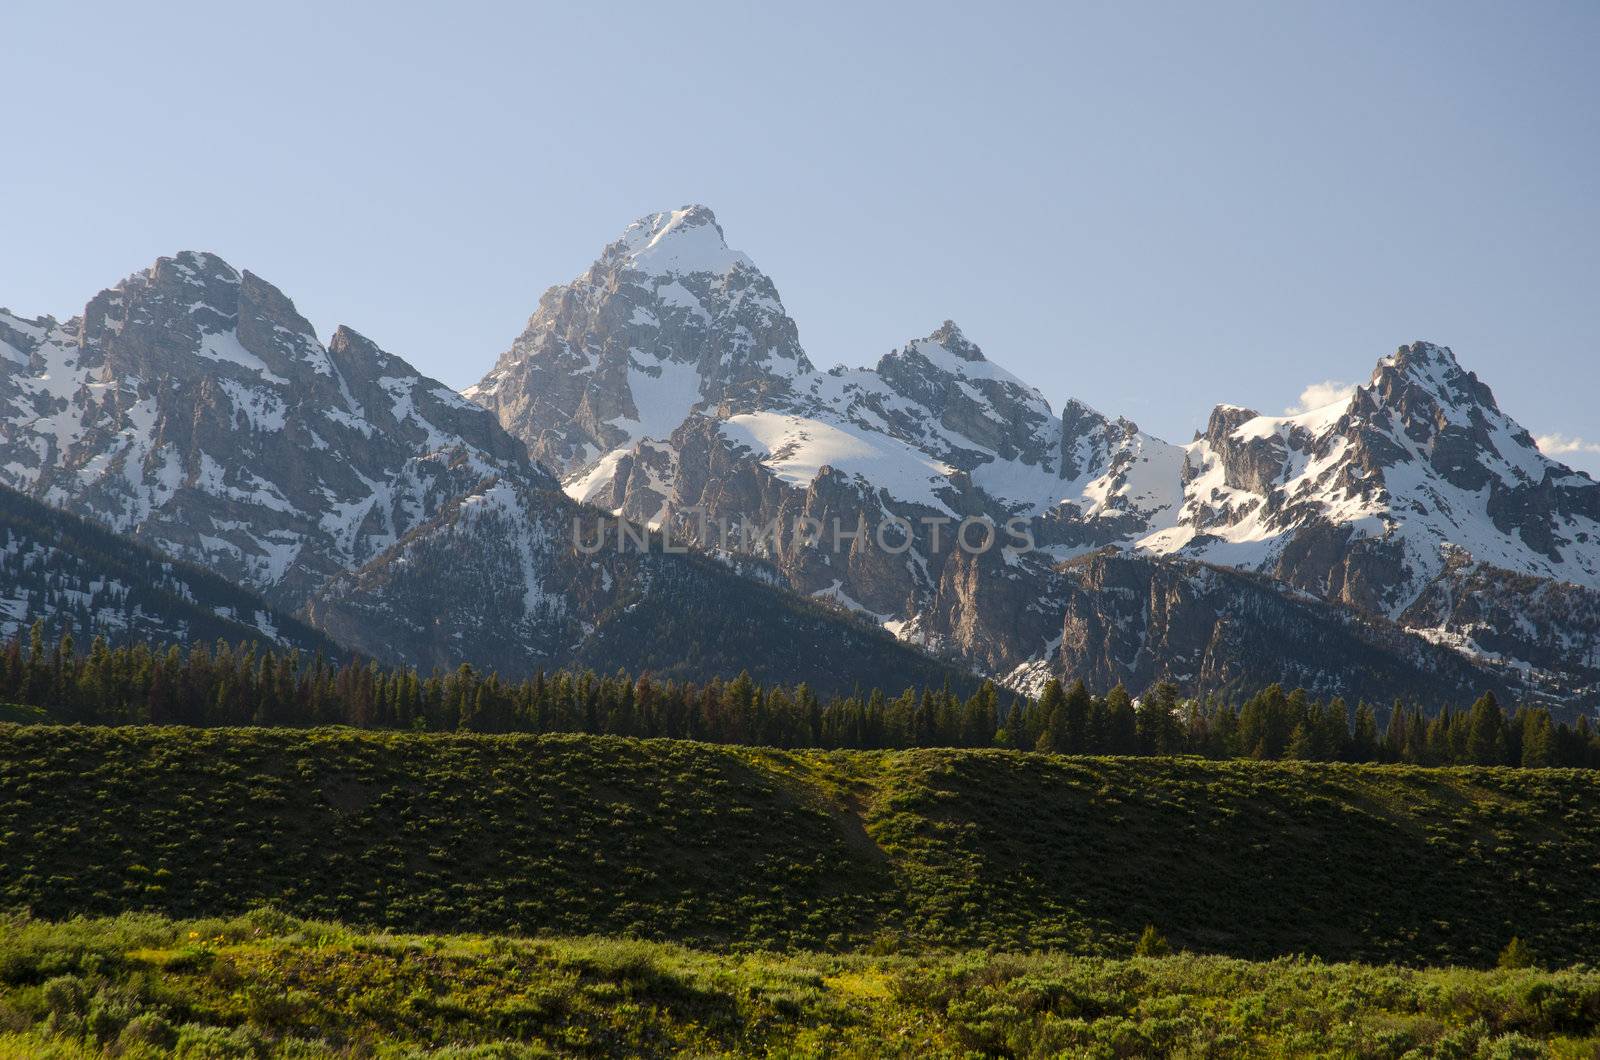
(266, 984)
(230, 685)
(744, 847)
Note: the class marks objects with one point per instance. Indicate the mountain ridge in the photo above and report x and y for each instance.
(1363, 503)
(193, 408)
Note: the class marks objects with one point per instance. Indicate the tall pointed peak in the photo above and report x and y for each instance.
(1432, 369)
(949, 336)
(1423, 356)
(195, 268)
(951, 354)
(675, 242)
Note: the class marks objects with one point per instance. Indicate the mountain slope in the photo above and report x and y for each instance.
(67, 571)
(1419, 459)
(666, 320)
(498, 579)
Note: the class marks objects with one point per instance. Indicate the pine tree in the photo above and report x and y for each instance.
(1364, 735)
(1075, 710)
(1122, 734)
(1395, 735)
(1538, 743)
(1155, 721)
(1053, 718)
(1302, 744)
(1486, 741)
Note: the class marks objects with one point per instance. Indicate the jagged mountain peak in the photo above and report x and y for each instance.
(192, 406)
(668, 320)
(196, 266)
(1375, 499)
(685, 241)
(951, 338)
(1422, 353)
(1421, 400)
(947, 352)
(1225, 419)
(1424, 373)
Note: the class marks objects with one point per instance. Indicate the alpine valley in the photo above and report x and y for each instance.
(1408, 539)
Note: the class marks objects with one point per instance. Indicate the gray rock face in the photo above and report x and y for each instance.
(670, 388)
(1138, 620)
(1550, 628)
(191, 407)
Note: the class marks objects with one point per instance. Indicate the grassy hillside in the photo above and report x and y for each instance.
(265, 984)
(716, 845)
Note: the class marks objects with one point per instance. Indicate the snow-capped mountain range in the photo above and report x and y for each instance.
(192, 409)
(1411, 521)
(691, 394)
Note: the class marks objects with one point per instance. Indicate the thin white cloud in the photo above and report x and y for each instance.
(1321, 395)
(1580, 454)
(1564, 445)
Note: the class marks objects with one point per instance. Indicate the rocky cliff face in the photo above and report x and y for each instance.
(698, 432)
(1215, 631)
(519, 580)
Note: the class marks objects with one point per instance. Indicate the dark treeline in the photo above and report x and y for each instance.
(239, 685)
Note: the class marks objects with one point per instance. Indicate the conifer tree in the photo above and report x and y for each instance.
(1122, 736)
(1075, 710)
(1053, 718)
(1537, 741)
(1155, 721)
(1364, 735)
(1486, 742)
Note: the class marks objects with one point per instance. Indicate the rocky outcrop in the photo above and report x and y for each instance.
(1548, 631)
(1137, 620)
(1382, 499)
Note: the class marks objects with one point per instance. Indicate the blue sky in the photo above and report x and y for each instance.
(1151, 207)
